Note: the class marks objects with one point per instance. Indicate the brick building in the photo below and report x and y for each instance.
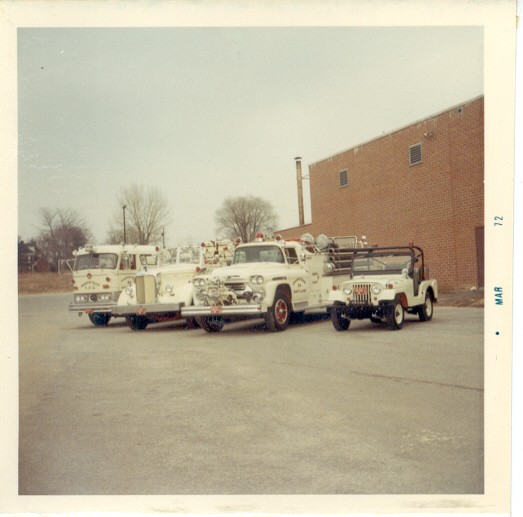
(422, 183)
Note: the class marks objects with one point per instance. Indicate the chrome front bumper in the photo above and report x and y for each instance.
(153, 308)
(223, 310)
(90, 307)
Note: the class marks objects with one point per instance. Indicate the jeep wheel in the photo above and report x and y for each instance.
(136, 322)
(99, 319)
(340, 321)
(395, 315)
(278, 314)
(211, 323)
(425, 311)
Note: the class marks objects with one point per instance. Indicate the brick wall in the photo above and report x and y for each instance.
(437, 204)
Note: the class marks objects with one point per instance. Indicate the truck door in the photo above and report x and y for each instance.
(298, 278)
(315, 273)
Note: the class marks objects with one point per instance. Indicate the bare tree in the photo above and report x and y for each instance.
(62, 231)
(244, 217)
(146, 213)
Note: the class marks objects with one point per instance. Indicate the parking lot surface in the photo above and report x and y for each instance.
(167, 410)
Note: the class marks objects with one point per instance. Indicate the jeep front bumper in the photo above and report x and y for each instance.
(360, 310)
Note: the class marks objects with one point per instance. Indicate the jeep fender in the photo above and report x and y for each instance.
(392, 295)
(429, 286)
(337, 296)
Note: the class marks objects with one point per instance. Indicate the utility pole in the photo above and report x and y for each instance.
(124, 231)
(300, 190)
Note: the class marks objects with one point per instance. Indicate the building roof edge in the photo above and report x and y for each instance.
(419, 121)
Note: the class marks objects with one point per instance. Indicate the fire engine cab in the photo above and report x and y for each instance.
(101, 272)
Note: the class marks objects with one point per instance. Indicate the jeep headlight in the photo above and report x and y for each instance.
(79, 298)
(256, 279)
(104, 297)
(347, 290)
(376, 288)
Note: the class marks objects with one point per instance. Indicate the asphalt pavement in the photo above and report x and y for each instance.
(168, 410)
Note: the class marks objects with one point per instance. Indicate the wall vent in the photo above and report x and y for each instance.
(344, 178)
(415, 154)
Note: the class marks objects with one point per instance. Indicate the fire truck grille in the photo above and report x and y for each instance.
(361, 293)
(145, 289)
(235, 286)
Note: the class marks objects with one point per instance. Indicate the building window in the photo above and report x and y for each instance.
(415, 154)
(344, 178)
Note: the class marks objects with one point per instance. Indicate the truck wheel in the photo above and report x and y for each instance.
(278, 314)
(99, 319)
(340, 321)
(425, 311)
(192, 323)
(395, 315)
(136, 322)
(211, 323)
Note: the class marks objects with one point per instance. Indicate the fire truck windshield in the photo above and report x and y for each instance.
(96, 261)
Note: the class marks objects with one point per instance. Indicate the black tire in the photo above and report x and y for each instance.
(99, 319)
(211, 323)
(395, 315)
(279, 313)
(192, 323)
(340, 321)
(136, 322)
(426, 310)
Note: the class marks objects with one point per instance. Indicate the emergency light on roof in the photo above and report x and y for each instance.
(259, 236)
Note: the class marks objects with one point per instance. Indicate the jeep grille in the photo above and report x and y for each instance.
(361, 293)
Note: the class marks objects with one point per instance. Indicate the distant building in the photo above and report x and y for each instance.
(29, 259)
(422, 184)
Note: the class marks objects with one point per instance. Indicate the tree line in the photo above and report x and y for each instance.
(145, 212)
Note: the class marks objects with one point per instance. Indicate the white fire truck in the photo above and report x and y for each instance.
(270, 278)
(100, 272)
(158, 294)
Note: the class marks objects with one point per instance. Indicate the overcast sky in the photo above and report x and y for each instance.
(206, 113)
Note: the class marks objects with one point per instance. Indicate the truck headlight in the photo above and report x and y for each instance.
(104, 297)
(199, 283)
(256, 279)
(376, 288)
(347, 290)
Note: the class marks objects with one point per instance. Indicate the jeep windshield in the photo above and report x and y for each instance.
(258, 254)
(381, 262)
(96, 261)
